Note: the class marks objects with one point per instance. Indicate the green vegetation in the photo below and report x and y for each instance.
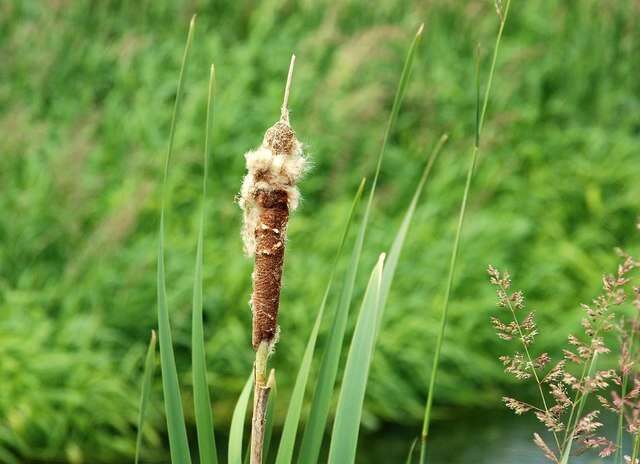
(86, 94)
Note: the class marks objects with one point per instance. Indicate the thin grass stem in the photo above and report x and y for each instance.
(623, 394)
(532, 365)
(636, 449)
(456, 243)
(566, 452)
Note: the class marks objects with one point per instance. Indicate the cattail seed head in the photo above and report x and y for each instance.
(280, 138)
(269, 193)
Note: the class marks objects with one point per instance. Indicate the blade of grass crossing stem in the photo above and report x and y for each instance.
(346, 427)
(236, 430)
(178, 443)
(480, 115)
(147, 376)
(321, 403)
(288, 439)
(398, 242)
(411, 451)
(201, 399)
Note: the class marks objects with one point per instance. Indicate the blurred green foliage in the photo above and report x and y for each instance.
(86, 90)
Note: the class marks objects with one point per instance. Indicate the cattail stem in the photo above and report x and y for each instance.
(262, 389)
(284, 111)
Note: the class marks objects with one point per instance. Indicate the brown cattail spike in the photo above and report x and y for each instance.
(269, 258)
(269, 193)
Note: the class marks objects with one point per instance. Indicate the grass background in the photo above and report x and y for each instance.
(86, 90)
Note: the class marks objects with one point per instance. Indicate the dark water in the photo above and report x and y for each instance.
(480, 438)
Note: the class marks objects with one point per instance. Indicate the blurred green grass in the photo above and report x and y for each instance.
(86, 90)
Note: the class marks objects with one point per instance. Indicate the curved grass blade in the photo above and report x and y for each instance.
(480, 115)
(346, 427)
(178, 442)
(411, 450)
(201, 398)
(288, 439)
(237, 423)
(147, 376)
(321, 403)
(396, 248)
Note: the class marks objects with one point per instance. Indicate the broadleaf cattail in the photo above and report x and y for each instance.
(269, 193)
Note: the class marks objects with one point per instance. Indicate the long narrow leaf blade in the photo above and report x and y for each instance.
(236, 431)
(396, 248)
(201, 398)
(321, 403)
(344, 439)
(147, 377)
(288, 439)
(176, 429)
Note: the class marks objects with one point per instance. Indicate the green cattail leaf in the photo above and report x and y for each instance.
(237, 423)
(201, 398)
(479, 116)
(178, 442)
(396, 248)
(288, 439)
(346, 427)
(321, 403)
(147, 376)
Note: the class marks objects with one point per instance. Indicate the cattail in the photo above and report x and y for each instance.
(269, 193)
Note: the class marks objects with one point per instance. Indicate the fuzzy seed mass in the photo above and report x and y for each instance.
(269, 193)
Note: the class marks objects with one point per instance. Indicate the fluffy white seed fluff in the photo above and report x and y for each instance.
(267, 170)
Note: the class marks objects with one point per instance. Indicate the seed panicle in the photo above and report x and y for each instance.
(571, 380)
